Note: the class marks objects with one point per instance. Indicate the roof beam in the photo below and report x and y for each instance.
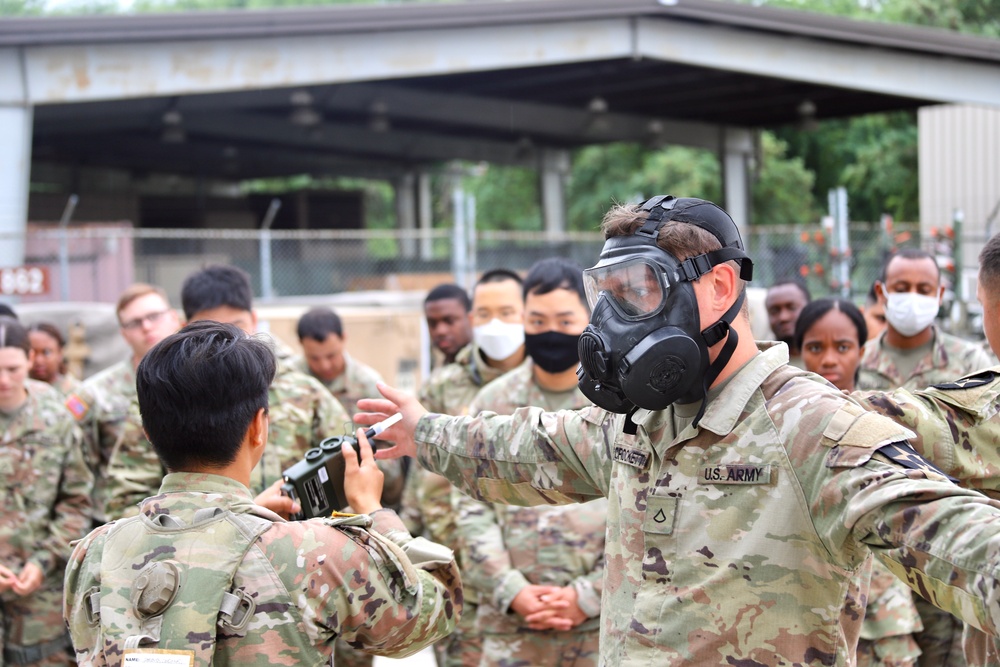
(828, 63)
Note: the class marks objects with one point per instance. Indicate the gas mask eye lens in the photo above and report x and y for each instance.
(637, 287)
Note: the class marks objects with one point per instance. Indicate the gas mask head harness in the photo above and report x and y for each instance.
(644, 346)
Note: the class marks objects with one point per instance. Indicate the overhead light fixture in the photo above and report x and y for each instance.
(304, 112)
(173, 129)
(379, 121)
(807, 115)
(597, 121)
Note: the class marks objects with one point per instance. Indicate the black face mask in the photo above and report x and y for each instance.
(553, 351)
(645, 347)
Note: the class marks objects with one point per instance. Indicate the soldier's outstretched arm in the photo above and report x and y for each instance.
(941, 539)
(528, 458)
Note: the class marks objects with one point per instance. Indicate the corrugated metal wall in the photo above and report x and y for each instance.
(960, 169)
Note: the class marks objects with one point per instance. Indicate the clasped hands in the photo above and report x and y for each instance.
(548, 607)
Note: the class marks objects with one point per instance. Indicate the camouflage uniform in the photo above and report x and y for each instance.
(955, 426)
(302, 413)
(949, 358)
(507, 548)
(107, 408)
(66, 384)
(356, 382)
(46, 504)
(427, 499)
(311, 580)
(746, 540)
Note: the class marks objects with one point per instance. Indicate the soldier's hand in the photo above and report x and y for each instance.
(28, 581)
(401, 434)
(529, 601)
(362, 483)
(567, 617)
(272, 499)
(7, 579)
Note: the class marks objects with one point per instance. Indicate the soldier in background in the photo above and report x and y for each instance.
(874, 312)
(108, 412)
(538, 570)
(914, 353)
(46, 504)
(49, 366)
(741, 534)
(446, 309)
(498, 346)
(784, 301)
(325, 357)
(208, 576)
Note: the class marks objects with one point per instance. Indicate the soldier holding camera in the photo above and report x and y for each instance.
(202, 574)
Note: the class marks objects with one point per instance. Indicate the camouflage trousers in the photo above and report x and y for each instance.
(464, 647)
(35, 621)
(345, 655)
(941, 640)
(530, 648)
(900, 651)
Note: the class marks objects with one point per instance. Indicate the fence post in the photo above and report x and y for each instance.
(64, 247)
(459, 239)
(266, 281)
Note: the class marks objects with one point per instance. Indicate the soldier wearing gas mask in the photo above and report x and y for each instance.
(746, 497)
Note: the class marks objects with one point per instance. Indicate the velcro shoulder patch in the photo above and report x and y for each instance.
(978, 379)
(77, 406)
(853, 426)
(973, 393)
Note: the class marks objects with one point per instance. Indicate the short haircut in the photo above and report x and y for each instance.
(498, 276)
(137, 290)
(198, 391)
(318, 323)
(7, 311)
(815, 310)
(910, 253)
(989, 266)
(49, 329)
(798, 282)
(449, 291)
(555, 273)
(215, 286)
(13, 334)
(872, 294)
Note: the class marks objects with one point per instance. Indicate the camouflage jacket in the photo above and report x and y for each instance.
(746, 539)
(107, 409)
(448, 391)
(356, 382)
(46, 504)
(950, 358)
(46, 484)
(66, 384)
(312, 581)
(507, 547)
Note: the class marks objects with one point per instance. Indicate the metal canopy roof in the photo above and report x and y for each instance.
(459, 81)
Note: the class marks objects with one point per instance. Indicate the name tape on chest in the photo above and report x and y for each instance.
(636, 458)
(735, 473)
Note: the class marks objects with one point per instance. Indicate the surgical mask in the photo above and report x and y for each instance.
(553, 351)
(645, 346)
(498, 340)
(910, 313)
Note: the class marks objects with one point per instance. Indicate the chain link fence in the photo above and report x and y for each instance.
(101, 260)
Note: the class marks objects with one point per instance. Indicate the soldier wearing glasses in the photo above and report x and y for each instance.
(106, 405)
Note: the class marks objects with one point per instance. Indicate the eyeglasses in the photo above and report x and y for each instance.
(152, 318)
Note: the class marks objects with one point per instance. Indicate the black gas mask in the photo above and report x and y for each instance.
(645, 346)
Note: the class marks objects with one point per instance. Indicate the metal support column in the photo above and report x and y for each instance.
(15, 177)
(406, 213)
(553, 167)
(737, 150)
(425, 216)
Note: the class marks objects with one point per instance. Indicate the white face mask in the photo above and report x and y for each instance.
(910, 313)
(498, 340)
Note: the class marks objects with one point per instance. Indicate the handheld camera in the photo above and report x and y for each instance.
(317, 481)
